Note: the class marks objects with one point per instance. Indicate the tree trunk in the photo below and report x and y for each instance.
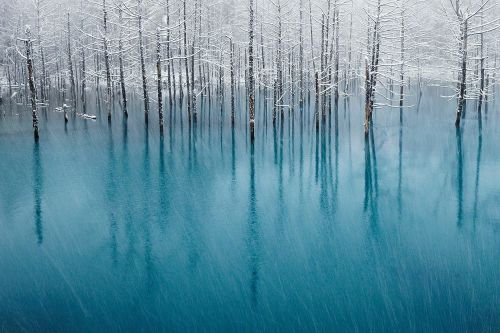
(83, 66)
(337, 52)
(279, 64)
(402, 77)
(84, 81)
(106, 59)
(251, 97)
(367, 98)
(29, 63)
(349, 59)
(172, 66)
(463, 75)
(159, 83)
(301, 56)
(120, 61)
(143, 66)
(322, 68)
(70, 67)
(316, 78)
(481, 69)
(43, 76)
(186, 62)
(193, 90)
(9, 79)
(312, 39)
(169, 72)
(231, 46)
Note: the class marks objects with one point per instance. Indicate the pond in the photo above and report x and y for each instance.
(113, 227)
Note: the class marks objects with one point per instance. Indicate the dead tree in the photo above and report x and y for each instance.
(158, 82)
(29, 64)
(372, 67)
(120, 61)
(301, 55)
(312, 38)
(402, 65)
(279, 64)
(347, 82)
(106, 58)
(482, 70)
(337, 50)
(143, 63)
(251, 92)
(463, 15)
(233, 83)
(322, 66)
(70, 66)
(186, 61)
(9, 79)
(43, 76)
(316, 116)
(169, 72)
(192, 56)
(83, 75)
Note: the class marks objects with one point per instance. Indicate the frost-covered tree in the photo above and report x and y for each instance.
(282, 53)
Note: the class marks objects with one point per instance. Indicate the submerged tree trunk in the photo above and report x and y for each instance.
(316, 79)
(367, 98)
(83, 75)
(169, 72)
(231, 46)
(70, 67)
(463, 74)
(43, 76)
(159, 84)
(402, 68)
(179, 53)
(186, 62)
(312, 38)
(251, 97)
(279, 64)
(264, 75)
(29, 64)
(301, 56)
(201, 78)
(120, 61)
(84, 82)
(98, 71)
(347, 82)
(9, 79)
(481, 69)
(106, 59)
(143, 65)
(321, 96)
(372, 70)
(337, 52)
(192, 55)
(174, 85)
(193, 90)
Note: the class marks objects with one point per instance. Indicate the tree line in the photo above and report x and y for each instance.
(285, 52)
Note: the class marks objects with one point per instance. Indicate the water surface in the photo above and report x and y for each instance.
(113, 227)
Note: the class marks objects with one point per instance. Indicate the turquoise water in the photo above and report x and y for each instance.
(115, 228)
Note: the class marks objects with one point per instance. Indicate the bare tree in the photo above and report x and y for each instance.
(120, 60)
(251, 92)
(70, 64)
(143, 61)
(159, 82)
(29, 66)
